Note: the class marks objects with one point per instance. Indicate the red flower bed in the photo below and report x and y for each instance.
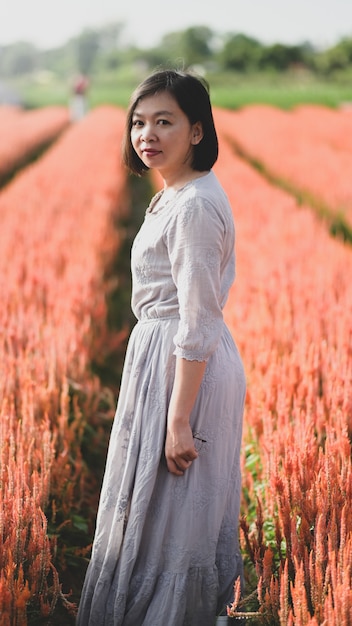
(56, 237)
(330, 125)
(297, 151)
(290, 312)
(24, 132)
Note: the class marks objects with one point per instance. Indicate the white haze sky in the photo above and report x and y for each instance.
(49, 23)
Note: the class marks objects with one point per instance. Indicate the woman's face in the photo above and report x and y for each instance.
(163, 136)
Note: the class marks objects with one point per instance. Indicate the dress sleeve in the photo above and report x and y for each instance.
(195, 245)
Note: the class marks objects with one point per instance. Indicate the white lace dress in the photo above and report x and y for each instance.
(166, 551)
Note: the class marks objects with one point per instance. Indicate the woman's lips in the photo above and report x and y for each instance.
(150, 153)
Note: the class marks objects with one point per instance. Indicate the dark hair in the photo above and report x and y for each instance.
(192, 95)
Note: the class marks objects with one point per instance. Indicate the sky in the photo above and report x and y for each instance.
(49, 23)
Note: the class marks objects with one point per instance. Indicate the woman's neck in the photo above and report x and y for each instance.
(176, 182)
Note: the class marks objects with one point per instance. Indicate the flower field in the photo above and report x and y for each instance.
(23, 134)
(56, 238)
(308, 151)
(290, 312)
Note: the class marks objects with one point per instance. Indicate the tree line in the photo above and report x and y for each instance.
(102, 49)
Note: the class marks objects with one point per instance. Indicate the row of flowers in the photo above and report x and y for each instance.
(57, 235)
(25, 133)
(331, 125)
(308, 150)
(290, 312)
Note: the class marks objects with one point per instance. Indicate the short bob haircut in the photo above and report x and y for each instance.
(192, 95)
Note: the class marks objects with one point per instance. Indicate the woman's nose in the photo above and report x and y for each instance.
(148, 133)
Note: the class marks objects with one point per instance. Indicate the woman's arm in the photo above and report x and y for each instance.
(179, 447)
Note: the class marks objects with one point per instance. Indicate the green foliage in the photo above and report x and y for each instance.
(18, 59)
(87, 48)
(280, 57)
(283, 89)
(339, 57)
(195, 45)
(243, 54)
(227, 89)
(240, 70)
(102, 49)
(181, 48)
(240, 53)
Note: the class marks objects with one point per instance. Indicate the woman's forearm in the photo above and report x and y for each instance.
(188, 378)
(180, 451)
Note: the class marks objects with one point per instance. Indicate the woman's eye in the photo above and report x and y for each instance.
(137, 123)
(163, 122)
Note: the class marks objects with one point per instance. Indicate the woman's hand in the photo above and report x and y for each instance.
(179, 448)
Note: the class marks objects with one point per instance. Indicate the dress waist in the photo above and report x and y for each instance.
(151, 320)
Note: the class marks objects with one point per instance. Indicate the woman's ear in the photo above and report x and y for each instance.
(197, 133)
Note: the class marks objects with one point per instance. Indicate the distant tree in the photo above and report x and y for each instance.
(61, 60)
(196, 44)
(109, 53)
(18, 59)
(187, 47)
(109, 36)
(280, 57)
(339, 57)
(170, 47)
(153, 57)
(308, 54)
(240, 53)
(100, 49)
(87, 48)
(110, 60)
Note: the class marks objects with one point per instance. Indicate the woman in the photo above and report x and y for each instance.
(166, 545)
